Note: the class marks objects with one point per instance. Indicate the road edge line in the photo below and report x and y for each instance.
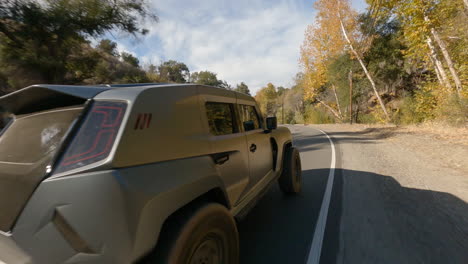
(317, 241)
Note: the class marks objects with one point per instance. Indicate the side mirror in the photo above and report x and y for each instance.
(271, 123)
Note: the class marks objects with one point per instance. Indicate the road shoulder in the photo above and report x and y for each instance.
(398, 205)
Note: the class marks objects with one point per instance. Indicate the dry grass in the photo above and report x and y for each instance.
(436, 142)
(440, 131)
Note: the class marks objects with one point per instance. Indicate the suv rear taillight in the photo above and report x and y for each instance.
(95, 138)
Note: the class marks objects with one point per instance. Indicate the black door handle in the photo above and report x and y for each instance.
(253, 148)
(220, 158)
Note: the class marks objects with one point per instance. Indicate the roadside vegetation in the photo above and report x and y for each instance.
(401, 61)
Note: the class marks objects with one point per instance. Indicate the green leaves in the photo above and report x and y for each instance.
(242, 88)
(45, 39)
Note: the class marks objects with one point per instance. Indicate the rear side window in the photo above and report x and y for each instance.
(5, 121)
(96, 136)
(221, 118)
(31, 137)
(249, 118)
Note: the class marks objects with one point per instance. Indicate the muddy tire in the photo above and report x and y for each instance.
(290, 181)
(206, 235)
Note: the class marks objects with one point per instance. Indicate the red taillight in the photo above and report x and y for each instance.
(95, 137)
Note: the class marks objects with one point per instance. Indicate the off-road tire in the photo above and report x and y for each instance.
(206, 235)
(290, 181)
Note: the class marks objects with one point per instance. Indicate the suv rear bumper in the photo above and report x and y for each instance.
(112, 216)
(78, 219)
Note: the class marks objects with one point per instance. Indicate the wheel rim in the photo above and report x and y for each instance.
(209, 251)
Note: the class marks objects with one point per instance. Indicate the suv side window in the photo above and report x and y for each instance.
(221, 118)
(5, 121)
(249, 118)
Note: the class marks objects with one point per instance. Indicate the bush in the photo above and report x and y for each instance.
(367, 119)
(315, 115)
(454, 111)
(419, 107)
(407, 114)
(375, 115)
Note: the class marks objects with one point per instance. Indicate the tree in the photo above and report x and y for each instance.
(223, 84)
(38, 38)
(206, 78)
(108, 46)
(242, 88)
(343, 10)
(267, 99)
(130, 59)
(334, 33)
(280, 90)
(422, 21)
(174, 71)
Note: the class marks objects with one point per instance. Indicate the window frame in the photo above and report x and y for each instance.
(241, 122)
(234, 117)
(7, 125)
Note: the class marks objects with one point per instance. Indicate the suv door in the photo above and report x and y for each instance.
(258, 143)
(228, 143)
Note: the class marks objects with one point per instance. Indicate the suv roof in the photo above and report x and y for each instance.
(18, 101)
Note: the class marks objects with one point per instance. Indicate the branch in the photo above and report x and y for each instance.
(331, 109)
(337, 101)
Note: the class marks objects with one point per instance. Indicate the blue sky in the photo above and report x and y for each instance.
(254, 41)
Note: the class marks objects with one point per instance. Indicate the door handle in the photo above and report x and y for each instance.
(220, 158)
(253, 148)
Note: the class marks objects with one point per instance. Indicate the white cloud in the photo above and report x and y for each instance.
(254, 41)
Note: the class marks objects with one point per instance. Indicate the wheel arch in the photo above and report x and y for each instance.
(213, 195)
(286, 145)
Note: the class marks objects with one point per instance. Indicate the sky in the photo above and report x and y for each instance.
(250, 41)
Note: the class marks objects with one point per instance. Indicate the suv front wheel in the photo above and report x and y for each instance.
(290, 181)
(207, 236)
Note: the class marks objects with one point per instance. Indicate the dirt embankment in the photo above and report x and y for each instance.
(442, 145)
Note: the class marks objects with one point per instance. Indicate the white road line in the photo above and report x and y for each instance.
(316, 248)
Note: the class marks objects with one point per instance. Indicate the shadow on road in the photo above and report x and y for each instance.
(385, 223)
(355, 137)
(280, 228)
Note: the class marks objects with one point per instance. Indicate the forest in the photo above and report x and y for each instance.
(399, 61)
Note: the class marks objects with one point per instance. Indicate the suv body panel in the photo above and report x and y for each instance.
(235, 172)
(118, 207)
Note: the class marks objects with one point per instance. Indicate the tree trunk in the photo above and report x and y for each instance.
(438, 65)
(337, 101)
(365, 70)
(330, 108)
(447, 57)
(439, 77)
(350, 78)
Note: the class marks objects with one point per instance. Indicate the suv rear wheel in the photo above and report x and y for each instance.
(290, 181)
(207, 235)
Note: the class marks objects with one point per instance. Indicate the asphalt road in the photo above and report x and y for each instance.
(280, 228)
(371, 217)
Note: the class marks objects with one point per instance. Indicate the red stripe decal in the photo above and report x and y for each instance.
(149, 120)
(137, 122)
(143, 121)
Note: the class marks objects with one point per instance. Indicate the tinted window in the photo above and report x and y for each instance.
(5, 120)
(221, 118)
(249, 118)
(31, 137)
